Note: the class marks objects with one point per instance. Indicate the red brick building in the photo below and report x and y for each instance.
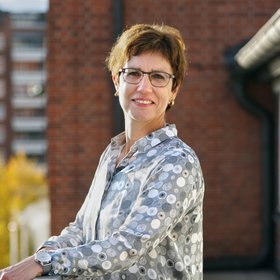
(83, 114)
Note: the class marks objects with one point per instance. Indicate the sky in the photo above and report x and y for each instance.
(24, 5)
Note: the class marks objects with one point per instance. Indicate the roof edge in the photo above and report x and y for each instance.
(264, 45)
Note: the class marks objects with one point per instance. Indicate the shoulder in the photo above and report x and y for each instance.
(178, 166)
(175, 158)
(176, 148)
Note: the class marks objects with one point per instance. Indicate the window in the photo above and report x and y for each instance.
(2, 135)
(2, 88)
(2, 65)
(2, 41)
(28, 39)
(2, 111)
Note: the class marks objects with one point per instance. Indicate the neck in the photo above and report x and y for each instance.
(136, 130)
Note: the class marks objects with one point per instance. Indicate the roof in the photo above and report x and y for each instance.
(262, 47)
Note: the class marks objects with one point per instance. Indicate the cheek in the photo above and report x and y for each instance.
(126, 90)
(122, 86)
(124, 95)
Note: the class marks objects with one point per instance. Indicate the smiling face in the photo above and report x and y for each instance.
(143, 103)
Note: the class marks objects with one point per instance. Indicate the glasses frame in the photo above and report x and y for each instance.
(123, 71)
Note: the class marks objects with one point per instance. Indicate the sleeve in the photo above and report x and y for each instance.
(72, 235)
(169, 193)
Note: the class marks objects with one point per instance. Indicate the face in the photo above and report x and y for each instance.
(142, 102)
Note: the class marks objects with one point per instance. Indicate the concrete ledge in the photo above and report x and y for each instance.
(241, 275)
(49, 278)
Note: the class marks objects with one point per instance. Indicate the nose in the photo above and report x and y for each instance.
(145, 84)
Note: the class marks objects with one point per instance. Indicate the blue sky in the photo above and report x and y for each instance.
(24, 5)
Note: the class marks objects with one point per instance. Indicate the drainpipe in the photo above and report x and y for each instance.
(118, 120)
(267, 169)
(265, 255)
(261, 51)
(245, 61)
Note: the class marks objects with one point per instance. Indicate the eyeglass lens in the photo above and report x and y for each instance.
(157, 78)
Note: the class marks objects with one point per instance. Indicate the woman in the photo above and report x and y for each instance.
(142, 217)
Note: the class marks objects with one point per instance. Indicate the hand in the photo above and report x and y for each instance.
(24, 270)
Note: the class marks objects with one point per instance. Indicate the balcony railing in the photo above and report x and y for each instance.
(30, 146)
(29, 124)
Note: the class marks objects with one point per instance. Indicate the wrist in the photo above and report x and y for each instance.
(43, 258)
(39, 269)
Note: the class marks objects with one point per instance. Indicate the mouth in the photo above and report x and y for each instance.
(143, 101)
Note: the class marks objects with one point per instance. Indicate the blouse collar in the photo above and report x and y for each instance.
(149, 141)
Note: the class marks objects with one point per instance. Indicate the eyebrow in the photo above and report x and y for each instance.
(138, 68)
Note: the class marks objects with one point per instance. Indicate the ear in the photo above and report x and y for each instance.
(115, 79)
(175, 92)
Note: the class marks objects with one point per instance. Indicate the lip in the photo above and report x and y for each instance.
(143, 101)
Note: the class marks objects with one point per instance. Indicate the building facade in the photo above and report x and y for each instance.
(28, 98)
(23, 76)
(83, 114)
(5, 69)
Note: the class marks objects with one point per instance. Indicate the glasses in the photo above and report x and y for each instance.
(157, 78)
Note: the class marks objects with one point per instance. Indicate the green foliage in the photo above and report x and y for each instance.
(21, 183)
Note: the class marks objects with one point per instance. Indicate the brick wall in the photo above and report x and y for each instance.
(79, 100)
(225, 136)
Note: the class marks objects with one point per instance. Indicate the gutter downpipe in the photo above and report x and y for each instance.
(118, 120)
(266, 250)
(245, 61)
(267, 168)
(244, 64)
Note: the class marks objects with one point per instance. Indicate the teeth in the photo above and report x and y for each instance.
(143, 101)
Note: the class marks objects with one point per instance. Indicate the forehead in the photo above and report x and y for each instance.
(149, 61)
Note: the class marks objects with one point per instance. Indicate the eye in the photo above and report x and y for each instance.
(132, 73)
(158, 76)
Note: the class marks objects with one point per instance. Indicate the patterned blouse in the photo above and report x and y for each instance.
(149, 225)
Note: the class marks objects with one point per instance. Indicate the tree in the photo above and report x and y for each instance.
(21, 183)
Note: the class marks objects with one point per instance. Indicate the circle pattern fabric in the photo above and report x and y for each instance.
(150, 220)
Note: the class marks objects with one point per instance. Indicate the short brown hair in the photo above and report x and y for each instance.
(145, 37)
